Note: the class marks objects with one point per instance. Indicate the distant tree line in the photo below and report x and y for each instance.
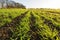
(10, 4)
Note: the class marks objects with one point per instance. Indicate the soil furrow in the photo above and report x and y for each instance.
(33, 28)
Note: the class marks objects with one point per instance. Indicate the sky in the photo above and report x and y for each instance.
(40, 3)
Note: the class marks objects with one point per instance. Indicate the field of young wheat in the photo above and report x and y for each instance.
(29, 24)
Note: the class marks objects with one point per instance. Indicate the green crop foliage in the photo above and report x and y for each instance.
(29, 24)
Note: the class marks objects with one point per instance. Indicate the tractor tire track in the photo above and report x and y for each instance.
(33, 28)
(51, 25)
(5, 32)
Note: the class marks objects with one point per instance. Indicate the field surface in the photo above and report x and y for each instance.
(29, 24)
